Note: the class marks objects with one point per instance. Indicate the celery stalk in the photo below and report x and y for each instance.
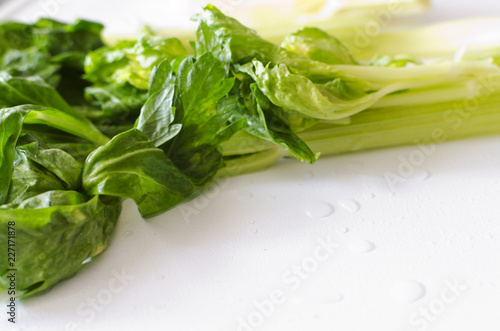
(426, 116)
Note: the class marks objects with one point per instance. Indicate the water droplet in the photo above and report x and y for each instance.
(370, 195)
(361, 246)
(422, 175)
(407, 291)
(251, 221)
(342, 230)
(243, 195)
(318, 209)
(87, 260)
(350, 205)
(159, 277)
(127, 234)
(254, 230)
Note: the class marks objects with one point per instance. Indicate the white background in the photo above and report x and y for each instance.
(208, 265)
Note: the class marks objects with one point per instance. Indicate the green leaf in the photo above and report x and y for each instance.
(208, 42)
(53, 50)
(157, 115)
(162, 76)
(55, 232)
(266, 122)
(131, 61)
(29, 179)
(30, 62)
(294, 92)
(59, 162)
(318, 46)
(16, 91)
(121, 73)
(11, 123)
(122, 103)
(55, 37)
(201, 85)
(48, 199)
(79, 151)
(14, 35)
(31, 167)
(245, 45)
(69, 42)
(131, 166)
(62, 121)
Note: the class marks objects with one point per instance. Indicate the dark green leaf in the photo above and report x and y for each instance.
(131, 166)
(266, 122)
(55, 233)
(30, 62)
(11, 123)
(45, 47)
(29, 179)
(68, 42)
(121, 103)
(201, 86)
(62, 164)
(157, 115)
(16, 91)
(15, 35)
